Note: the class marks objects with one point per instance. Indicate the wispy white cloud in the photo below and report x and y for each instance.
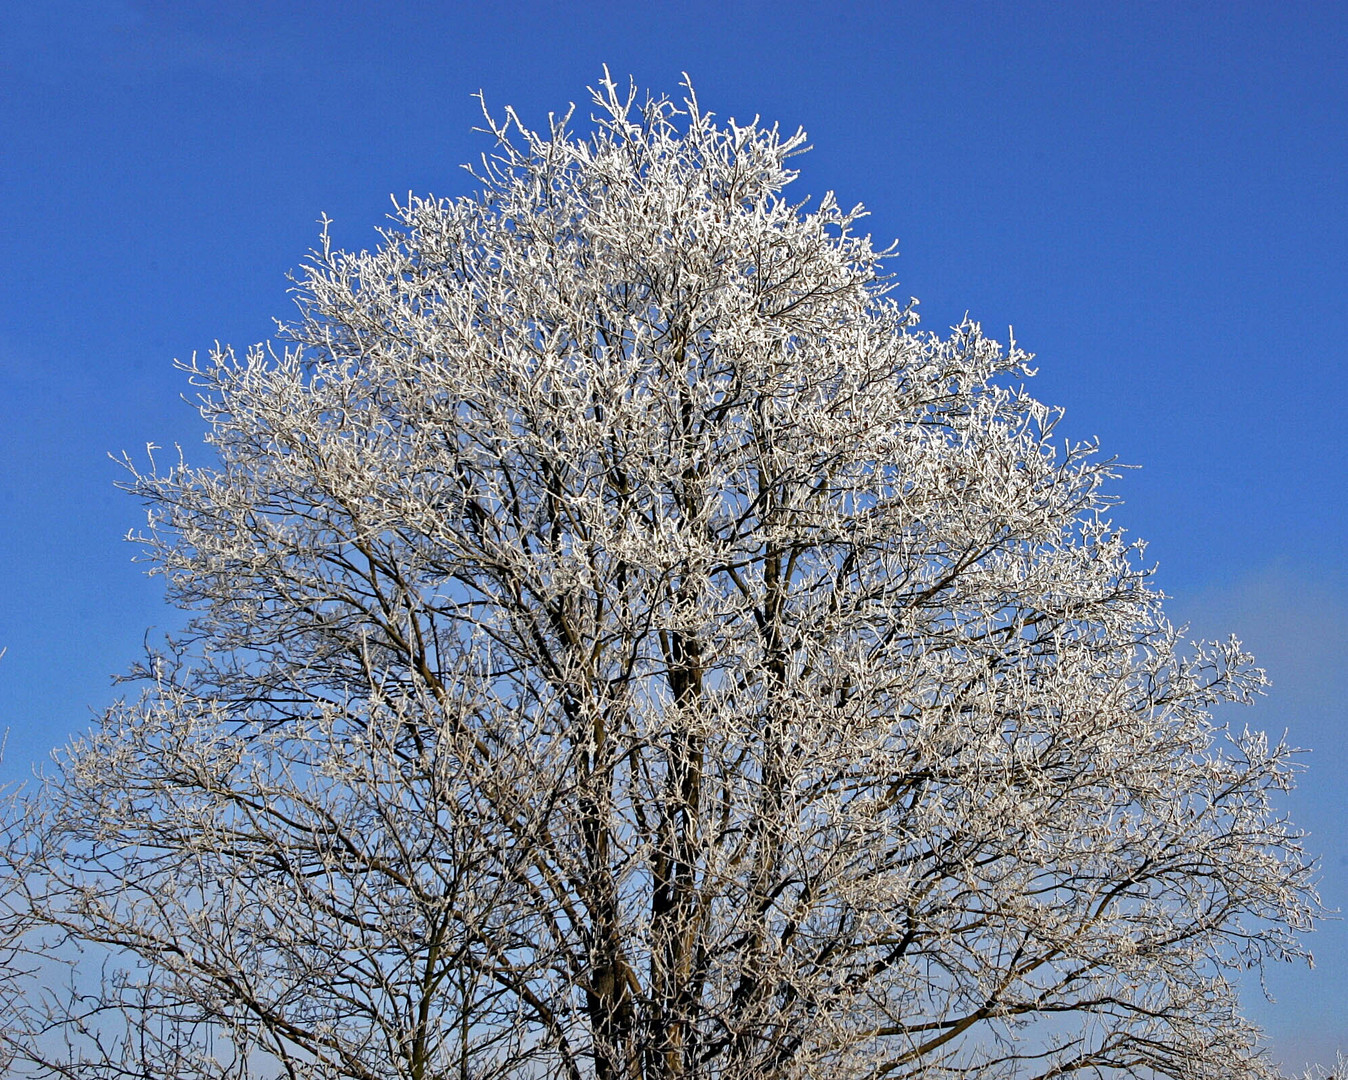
(1295, 621)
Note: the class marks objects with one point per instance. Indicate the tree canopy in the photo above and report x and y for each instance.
(625, 647)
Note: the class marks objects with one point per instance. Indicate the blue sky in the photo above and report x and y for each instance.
(1154, 195)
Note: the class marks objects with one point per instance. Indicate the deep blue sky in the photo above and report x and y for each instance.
(1154, 195)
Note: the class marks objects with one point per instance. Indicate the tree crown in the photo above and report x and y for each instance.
(627, 647)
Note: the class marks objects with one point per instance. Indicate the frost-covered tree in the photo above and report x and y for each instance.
(626, 648)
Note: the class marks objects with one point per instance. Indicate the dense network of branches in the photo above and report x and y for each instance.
(626, 648)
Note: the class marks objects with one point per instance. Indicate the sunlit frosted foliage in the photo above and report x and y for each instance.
(626, 647)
